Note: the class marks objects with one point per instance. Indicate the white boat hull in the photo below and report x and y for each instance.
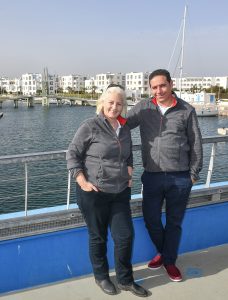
(206, 112)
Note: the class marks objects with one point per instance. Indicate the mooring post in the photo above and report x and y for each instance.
(45, 101)
(15, 103)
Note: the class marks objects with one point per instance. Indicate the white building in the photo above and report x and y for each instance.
(10, 86)
(103, 80)
(137, 82)
(4, 84)
(201, 98)
(72, 82)
(31, 83)
(199, 83)
(90, 84)
(53, 83)
(221, 81)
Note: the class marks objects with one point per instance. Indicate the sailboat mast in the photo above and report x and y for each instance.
(182, 49)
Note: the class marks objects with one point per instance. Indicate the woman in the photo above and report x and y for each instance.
(100, 160)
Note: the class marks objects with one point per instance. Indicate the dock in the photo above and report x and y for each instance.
(47, 100)
(205, 277)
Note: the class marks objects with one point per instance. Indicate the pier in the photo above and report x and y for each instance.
(16, 99)
(50, 100)
(69, 100)
(47, 100)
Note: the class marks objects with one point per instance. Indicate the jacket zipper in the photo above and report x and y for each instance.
(118, 142)
(160, 129)
(161, 119)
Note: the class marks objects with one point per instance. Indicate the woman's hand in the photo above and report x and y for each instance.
(130, 172)
(88, 187)
(130, 183)
(193, 180)
(84, 184)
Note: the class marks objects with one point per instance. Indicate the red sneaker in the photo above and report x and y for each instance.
(156, 262)
(173, 272)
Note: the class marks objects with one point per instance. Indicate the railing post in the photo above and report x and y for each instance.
(210, 167)
(68, 190)
(26, 189)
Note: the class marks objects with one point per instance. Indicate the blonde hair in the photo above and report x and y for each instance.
(105, 96)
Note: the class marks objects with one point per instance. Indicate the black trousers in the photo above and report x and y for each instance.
(102, 211)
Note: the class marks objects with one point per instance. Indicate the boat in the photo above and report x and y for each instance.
(53, 101)
(204, 111)
(66, 101)
(1, 115)
(223, 131)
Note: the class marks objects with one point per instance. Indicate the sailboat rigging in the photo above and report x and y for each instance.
(204, 103)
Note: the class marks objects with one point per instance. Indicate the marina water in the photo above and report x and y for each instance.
(39, 129)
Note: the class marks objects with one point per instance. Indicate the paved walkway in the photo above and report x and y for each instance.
(205, 278)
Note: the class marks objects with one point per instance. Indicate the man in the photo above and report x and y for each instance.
(172, 160)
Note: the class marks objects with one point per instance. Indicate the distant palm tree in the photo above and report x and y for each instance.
(94, 91)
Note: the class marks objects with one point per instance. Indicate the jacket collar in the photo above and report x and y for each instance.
(120, 119)
(174, 103)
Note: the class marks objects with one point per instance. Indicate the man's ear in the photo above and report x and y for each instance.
(171, 84)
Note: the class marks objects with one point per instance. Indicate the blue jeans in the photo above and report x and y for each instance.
(174, 188)
(102, 211)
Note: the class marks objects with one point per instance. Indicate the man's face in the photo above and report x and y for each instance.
(161, 89)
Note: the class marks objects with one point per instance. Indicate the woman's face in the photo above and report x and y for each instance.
(113, 106)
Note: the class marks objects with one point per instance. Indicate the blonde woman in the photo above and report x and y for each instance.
(100, 160)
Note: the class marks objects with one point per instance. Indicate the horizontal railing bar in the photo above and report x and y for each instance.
(21, 158)
(54, 174)
(215, 139)
(209, 191)
(51, 155)
(33, 194)
(32, 176)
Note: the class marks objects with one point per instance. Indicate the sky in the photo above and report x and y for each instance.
(98, 36)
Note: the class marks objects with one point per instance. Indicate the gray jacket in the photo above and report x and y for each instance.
(101, 155)
(170, 142)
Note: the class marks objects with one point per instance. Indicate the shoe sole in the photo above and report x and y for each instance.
(172, 279)
(175, 280)
(106, 292)
(129, 290)
(151, 268)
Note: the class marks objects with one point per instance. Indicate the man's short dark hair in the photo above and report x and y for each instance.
(160, 72)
